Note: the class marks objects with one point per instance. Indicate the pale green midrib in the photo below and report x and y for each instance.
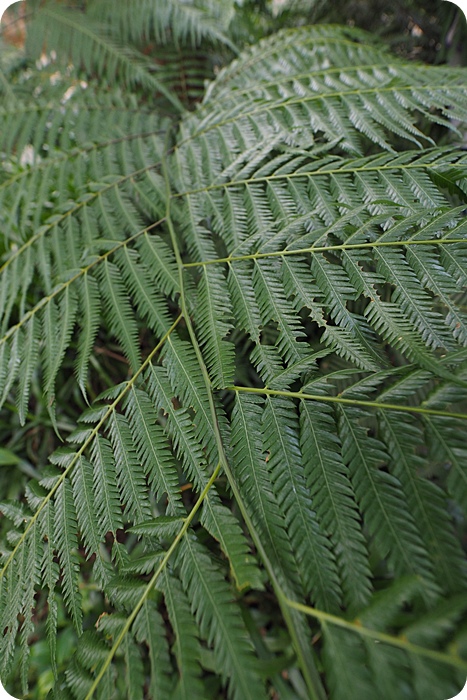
(324, 249)
(131, 618)
(343, 170)
(331, 95)
(261, 55)
(312, 73)
(177, 147)
(85, 445)
(399, 641)
(311, 675)
(323, 71)
(65, 156)
(82, 271)
(303, 396)
(314, 40)
(348, 402)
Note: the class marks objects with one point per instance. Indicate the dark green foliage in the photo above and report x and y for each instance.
(246, 324)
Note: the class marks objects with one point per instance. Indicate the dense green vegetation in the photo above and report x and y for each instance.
(233, 361)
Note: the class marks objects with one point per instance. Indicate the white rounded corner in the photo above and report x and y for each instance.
(4, 5)
(3, 693)
(460, 696)
(461, 4)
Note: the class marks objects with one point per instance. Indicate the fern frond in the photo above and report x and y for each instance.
(217, 519)
(445, 439)
(315, 560)
(212, 319)
(105, 486)
(79, 150)
(380, 497)
(182, 23)
(86, 513)
(93, 49)
(317, 89)
(26, 364)
(179, 426)
(271, 300)
(67, 545)
(90, 307)
(149, 628)
(426, 502)
(134, 677)
(55, 347)
(252, 478)
(186, 645)
(434, 278)
(354, 643)
(180, 360)
(219, 621)
(129, 473)
(121, 319)
(152, 450)
(287, 445)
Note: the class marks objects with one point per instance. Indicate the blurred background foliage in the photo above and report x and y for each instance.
(433, 31)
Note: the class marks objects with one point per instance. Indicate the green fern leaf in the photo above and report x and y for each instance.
(186, 646)
(331, 489)
(315, 560)
(67, 545)
(149, 627)
(219, 622)
(129, 473)
(105, 486)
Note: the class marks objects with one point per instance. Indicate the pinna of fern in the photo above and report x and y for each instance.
(253, 501)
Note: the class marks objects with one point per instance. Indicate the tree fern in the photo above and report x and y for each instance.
(263, 494)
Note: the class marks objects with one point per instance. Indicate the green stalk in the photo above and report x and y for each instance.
(305, 655)
(324, 249)
(348, 402)
(186, 524)
(400, 642)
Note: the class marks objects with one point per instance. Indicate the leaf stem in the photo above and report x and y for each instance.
(82, 271)
(324, 249)
(349, 402)
(378, 636)
(86, 443)
(186, 524)
(305, 656)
